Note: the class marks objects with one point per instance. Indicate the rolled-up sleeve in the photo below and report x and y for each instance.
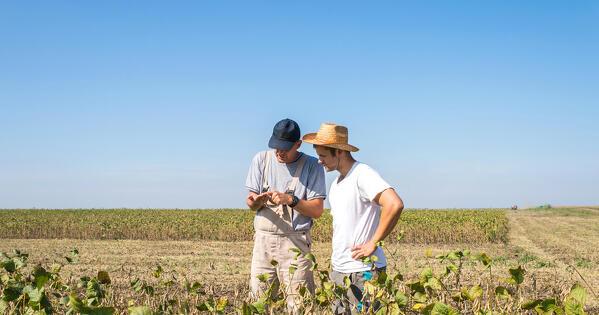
(316, 188)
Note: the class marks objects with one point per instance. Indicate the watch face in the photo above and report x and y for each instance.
(294, 201)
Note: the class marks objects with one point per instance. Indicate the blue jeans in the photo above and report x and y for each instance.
(352, 302)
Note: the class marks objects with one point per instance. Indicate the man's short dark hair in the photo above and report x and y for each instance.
(332, 150)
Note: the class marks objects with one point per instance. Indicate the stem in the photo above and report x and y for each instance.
(585, 281)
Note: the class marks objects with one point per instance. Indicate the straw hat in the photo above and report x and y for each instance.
(331, 135)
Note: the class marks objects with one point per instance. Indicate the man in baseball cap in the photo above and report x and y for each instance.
(287, 191)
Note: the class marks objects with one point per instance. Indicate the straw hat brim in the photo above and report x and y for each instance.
(311, 138)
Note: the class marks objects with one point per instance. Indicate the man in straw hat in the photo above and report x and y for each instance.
(365, 209)
(287, 191)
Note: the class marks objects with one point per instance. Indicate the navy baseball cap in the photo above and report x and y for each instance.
(284, 135)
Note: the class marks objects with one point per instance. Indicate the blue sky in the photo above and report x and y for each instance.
(162, 105)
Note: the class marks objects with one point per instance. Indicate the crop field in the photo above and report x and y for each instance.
(419, 226)
(539, 261)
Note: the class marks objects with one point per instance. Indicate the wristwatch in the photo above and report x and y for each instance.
(294, 201)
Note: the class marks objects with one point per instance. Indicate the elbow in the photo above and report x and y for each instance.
(316, 208)
(318, 213)
(397, 207)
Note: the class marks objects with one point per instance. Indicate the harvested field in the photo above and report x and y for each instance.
(540, 241)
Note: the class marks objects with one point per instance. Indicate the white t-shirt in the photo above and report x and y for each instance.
(355, 216)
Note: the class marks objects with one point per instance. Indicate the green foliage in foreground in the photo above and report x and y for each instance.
(420, 226)
(42, 290)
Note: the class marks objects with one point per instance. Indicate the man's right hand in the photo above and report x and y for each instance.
(256, 201)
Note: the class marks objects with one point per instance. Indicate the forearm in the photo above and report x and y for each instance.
(310, 208)
(385, 227)
(389, 217)
(391, 206)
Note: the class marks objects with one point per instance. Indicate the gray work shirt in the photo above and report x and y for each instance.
(311, 181)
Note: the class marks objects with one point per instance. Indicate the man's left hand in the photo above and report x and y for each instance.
(363, 250)
(279, 198)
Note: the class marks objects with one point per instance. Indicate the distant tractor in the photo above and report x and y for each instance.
(514, 207)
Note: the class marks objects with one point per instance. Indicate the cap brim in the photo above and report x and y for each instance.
(279, 144)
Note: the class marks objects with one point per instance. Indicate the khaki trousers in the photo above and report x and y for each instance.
(273, 242)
